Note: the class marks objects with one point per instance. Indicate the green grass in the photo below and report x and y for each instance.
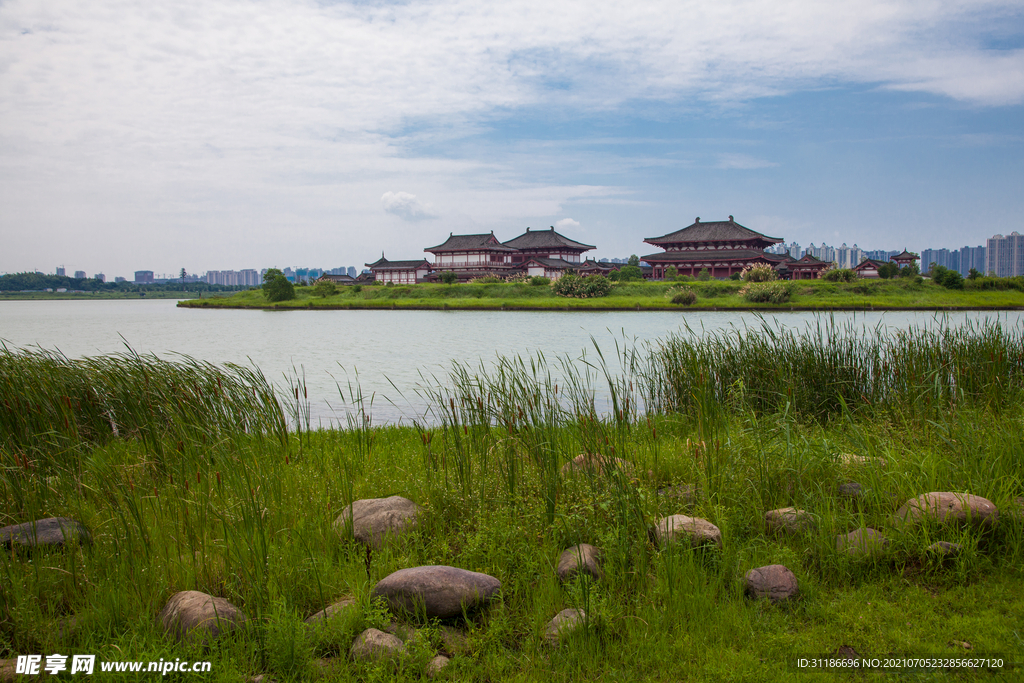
(717, 295)
(181, 500)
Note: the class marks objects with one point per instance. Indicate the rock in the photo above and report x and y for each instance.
(789, 520)
(435, 665)
(192, 614)
(862, 542)
(373, 519)
(948, 508)
(580, 559)
(563, 624)
(694, 530)
(52, 531)
(850, 489)
(454, 642)
(331, 611)
(592, 463)
(851, 460)
(945, 549)
(439, 591)
(774, 582)
(374, 645)
(684, 493)
(844, 652)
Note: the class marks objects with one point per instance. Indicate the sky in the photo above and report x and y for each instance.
(228, 134)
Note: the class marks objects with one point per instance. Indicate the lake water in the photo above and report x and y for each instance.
(392, 351)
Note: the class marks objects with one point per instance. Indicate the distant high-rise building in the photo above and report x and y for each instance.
(100, 276)
(143, 277)
(1004, 256)
(79, 274)
(352, 271)
(60, 271)
(972, 257)
(118, 278)
(795, 251)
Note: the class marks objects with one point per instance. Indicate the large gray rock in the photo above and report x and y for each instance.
(439, 591)
(692, 530)
(373, 645)
(864, 542)
(192, 615)
(580, 559)
(373, 519)
(331, 611)
(850, 489)
(788, 520)
(54, 532)
(774, 582)
(563, 624)
(946, 507)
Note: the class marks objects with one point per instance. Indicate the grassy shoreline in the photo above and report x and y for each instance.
(200, 488)
(648, 296)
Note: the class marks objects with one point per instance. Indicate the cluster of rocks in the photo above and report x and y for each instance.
(446, 593)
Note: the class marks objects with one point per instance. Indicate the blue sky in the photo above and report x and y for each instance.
(228, 135)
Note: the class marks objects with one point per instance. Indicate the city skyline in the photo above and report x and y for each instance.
(231, 134)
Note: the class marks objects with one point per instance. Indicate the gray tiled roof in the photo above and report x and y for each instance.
(545, 239)
(713, 231)
(469, 242)
(383, 264)
(551, 262)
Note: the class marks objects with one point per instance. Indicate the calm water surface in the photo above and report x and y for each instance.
(392, 351)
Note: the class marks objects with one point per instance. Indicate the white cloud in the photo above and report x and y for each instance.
(406, 206)
(568, 225)
(742, 162)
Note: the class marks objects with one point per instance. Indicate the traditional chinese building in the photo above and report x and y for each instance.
(547, 244)
(722, 247)
(805, 268)
(868, 268)
(905, 259)
(471, 256)
(399, 272)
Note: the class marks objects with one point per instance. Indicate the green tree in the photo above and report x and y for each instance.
(973, 274)
(276, 286)
(703, 275)
(633, 260)
(630, 273)
(671, 273)
(888, 270)
(448, 277)
(183, 274)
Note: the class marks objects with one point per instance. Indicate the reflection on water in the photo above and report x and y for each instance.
(389, 355)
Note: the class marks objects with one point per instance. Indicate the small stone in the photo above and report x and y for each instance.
(374, 645)
(694, 530)
(593, 463)
(374, 519)
(862, 542)
(331, 611)
(845, 652)
(192, 614)
(563, 624)
(435, 665)
(788, 520)
(263, 678)
(580, 559)
(852, 460)
(54, 532)
(775, 582)
(948, 508)
(439, 591)
(851, 489)
(945, 549)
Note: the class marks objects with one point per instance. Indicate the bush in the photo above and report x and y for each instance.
(576, 287)
(357, 288)
(671, 273)
(685, 297)
(448, 277)
(325, 288)
(766, 293)
(627, 273)
(538, 280)
(486, 280)
(276, 286)
(518, 278)
(735, 276)
(759, 272)
(888, 270)
(703, 275)
(839, 275)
